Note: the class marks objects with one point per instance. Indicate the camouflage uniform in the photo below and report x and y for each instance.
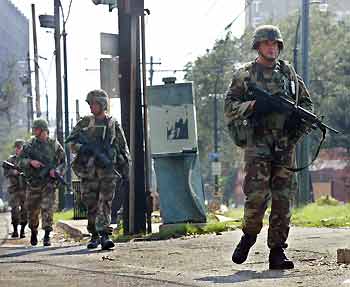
(269, 142)
(41, 186)
(17, 191)
(98, 183)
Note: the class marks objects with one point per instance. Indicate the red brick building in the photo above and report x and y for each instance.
(330, 174)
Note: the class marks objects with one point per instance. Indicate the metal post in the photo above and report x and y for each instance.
(69, 199)
(216, 139)
(148, 159)
(304, 178)
(133, 40)
(216, 177)
(36, 66)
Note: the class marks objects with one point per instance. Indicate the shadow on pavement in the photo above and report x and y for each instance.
(33, 250)
(82, 252)
(246, 275)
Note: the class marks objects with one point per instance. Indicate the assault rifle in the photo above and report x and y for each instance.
(99, 151)
(22, 179)
(9, 165)
(284, 105)
(45, 170)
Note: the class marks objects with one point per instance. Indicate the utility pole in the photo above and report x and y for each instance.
(303, 148)
(36, 66)
(134, 207)
(151, 70)
(59, 123)
(29, 96)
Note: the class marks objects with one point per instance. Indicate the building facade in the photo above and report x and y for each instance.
(14, 48)
(262, 11)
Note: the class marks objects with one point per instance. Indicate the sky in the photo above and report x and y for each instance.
(176, 32)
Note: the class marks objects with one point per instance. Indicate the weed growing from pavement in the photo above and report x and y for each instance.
(180, 230)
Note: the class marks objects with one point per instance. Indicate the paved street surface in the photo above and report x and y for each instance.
(192, 261)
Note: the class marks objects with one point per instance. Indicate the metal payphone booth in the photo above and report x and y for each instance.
(174, 149)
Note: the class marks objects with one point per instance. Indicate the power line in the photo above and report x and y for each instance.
(249, 2)
(68, 13)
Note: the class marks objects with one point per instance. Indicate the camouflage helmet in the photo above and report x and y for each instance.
(100, 97)
(41, 124)
(18, 143)
(267, 32)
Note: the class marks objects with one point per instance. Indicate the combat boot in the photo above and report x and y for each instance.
(15, 231)
(46, 240)
(278, 260)
(94, 241)
(22, 234)
(34, 238)
(241, 252)
(106, 242)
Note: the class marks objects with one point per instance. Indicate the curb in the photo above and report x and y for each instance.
(72, 231)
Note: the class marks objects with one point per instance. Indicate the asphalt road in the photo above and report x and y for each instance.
(192, 261)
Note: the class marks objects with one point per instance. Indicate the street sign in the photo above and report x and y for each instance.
(216, 168)
(109, 74)
(109, 44)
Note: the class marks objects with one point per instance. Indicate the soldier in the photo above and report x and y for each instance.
(102, 160)
(17, 192)
(43, 161)
(269, 138)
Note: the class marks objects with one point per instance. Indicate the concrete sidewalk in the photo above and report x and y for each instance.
(189, 261)
(77, 228)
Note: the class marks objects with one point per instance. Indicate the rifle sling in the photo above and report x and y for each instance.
(315, 156)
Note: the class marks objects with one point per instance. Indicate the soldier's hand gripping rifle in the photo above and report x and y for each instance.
(280, 103)
(48, 166)
(9, 165)
(45, 171)
(98, 151)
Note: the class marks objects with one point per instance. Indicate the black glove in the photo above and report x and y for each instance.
(293, 123)
(264, 107)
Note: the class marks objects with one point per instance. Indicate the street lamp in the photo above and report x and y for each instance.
(48, 21)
